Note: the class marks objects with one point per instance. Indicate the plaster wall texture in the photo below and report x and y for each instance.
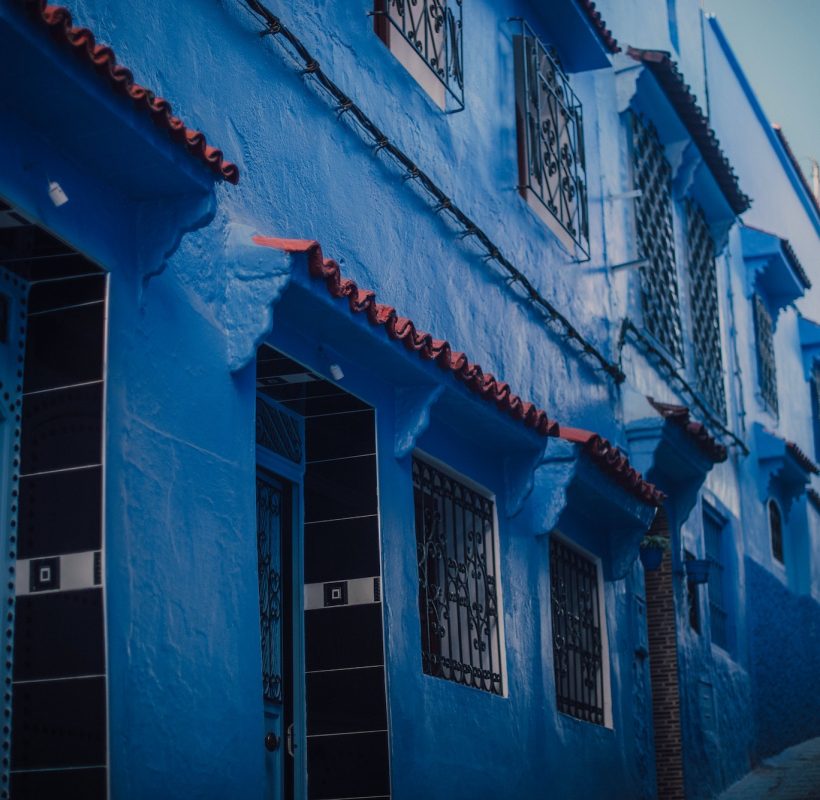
(190, 300)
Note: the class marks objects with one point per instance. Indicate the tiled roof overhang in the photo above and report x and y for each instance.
(789, 255)
(814, 497)
(614, 462)
(363, 301)
(680, 416)
(796, 164)
(671, 81)
(57, 20)
(802, 459)
(599, 24)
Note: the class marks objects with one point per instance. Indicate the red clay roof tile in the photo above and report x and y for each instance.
(680, 415)
(609, 458)
(802, 459)
(598, 22)
(670, 79)
(57, 20)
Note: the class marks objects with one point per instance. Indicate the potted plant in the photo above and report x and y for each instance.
(697, 569)
(652, 549)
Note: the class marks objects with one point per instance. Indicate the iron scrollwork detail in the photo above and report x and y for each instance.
(269, 530)
(458, 594)
(576, 633)
(433, 28)
(278, 432)
(551, 133)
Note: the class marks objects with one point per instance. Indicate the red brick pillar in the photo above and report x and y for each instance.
(663, 672)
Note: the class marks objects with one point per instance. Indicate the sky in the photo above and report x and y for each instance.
(777, 42)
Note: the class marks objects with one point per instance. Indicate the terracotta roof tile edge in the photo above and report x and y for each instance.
(781, 137)
(404, 330)
(814, 497)
(691, 115)
(598, 22)
(802, 459)
(697, 431)
(58, 22)
(791, 256)
(614, 462)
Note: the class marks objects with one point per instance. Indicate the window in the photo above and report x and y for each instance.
(551, 165)
(425, 36)
(458, 593)
(815, 405)
(577, 633)
(656, 241)
(703, 299)
(713, 525)
(776, 530)
(764, 340)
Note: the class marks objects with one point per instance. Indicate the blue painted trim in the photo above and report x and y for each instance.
(785, 161)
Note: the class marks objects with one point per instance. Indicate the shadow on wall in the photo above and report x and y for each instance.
(783, 656)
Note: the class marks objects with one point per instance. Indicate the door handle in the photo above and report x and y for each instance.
(271, 742)
(289, 740)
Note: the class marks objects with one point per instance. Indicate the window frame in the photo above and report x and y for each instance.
(771, 503)
(718, 606)
(412, 53)
(499, 633)
(765, 352)
(606, 665)
(568, 222)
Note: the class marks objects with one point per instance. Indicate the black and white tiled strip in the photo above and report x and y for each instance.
(347, 727)
(59, 710)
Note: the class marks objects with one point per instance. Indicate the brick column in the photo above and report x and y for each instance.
(663, 672)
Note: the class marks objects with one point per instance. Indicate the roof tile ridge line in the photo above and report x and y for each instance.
(405, 330)
(600, 25)
(570, 334)
(781, 136)
(701, 123)
(59, 22)
(617, 462)
(791, 255)
(682, 417)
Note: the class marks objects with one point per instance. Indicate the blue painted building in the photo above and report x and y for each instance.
(350, 352)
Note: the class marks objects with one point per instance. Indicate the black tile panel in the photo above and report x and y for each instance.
(64, 347)
(60, 513)
(65, 784)
(342, 550)
(340, 435)
(62, 429)
(336, 489)
(344, 636)
(59, 635)
(59, 724)
(348, 766)
(344, 701)
(58, 294)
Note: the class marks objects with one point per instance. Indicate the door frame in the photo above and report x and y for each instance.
(293, 475)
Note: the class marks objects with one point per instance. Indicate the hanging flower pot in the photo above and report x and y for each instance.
(652, 549)
(697, 569)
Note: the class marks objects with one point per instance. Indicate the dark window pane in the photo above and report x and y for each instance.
(337, 489)
(73, 784)
(342, 550)
(62, 429)
(59, 724)
(348, 766)
(64, 347)
(343, 701)
(60, 513)
(58, 635)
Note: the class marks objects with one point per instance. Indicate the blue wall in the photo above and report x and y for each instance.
(191, 298)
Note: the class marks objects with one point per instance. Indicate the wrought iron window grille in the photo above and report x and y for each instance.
(815, 406)
(550, 124)
(269, 519)
(692, 598)
(713, 527)
(766, 364)
(703, 301)
(656, 239)
(433, 29)
(459, 610)
(577, 633)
